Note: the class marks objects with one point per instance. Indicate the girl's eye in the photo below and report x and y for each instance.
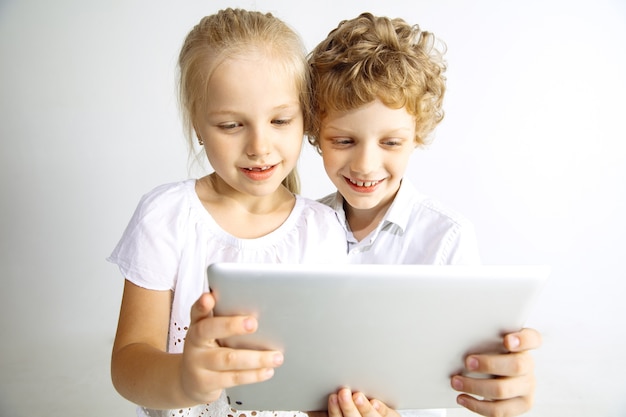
(229, 125)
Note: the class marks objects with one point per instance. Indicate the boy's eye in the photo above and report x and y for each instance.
(281, 122)
(393, 142)
(341, 141)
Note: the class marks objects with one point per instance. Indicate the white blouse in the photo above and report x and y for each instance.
(171, 239)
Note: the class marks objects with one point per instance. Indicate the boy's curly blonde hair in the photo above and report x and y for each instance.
(369, 58)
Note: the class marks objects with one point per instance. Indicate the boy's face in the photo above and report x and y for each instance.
(365, 152)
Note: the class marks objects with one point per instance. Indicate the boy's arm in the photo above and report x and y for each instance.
(509, 391)
(144, 373)
(510, 388)
(347, 404)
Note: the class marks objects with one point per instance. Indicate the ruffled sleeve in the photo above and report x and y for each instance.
(148, 254)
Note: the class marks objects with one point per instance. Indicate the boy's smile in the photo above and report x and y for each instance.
(366, 151)
(363, 186)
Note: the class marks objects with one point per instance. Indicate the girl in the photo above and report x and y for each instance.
(244, 93)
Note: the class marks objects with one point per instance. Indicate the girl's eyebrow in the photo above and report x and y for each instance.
(227, 112)
(287, 106)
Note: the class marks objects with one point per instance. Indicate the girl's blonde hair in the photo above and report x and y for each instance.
(369, 58)
(231, 33)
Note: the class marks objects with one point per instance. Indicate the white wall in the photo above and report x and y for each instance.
(532, 149)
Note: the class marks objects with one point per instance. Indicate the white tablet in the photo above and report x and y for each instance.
(394, 332)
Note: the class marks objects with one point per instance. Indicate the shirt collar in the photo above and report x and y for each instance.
(398, 213)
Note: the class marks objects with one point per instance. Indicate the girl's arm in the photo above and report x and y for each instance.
(144, 373)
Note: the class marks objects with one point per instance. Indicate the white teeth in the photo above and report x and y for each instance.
(363, 183)
(259, 168)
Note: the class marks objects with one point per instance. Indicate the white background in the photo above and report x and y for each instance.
(531, 149)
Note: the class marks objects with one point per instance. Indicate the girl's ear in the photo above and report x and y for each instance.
(200, 140)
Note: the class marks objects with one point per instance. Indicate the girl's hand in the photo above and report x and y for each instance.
(347, 404)
(207, 368)
(510, 387)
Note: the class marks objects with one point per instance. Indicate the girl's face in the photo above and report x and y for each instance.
(366, 152)
(252, 125)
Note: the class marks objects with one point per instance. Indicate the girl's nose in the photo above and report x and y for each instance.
(259, 143)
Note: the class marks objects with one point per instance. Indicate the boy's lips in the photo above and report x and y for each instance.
(363, 186)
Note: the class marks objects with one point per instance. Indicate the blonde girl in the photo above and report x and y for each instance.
(243, 93)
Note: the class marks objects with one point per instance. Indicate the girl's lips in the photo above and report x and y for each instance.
(259, 173)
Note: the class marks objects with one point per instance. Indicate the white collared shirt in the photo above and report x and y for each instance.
(415, 230)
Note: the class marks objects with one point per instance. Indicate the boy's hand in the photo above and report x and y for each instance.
(510, 387)
(207, 368)
(347, 404)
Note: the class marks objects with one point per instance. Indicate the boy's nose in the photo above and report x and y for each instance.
(365, 161)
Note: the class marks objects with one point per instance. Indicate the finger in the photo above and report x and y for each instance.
(381, 408)
(346, 403)
(495, 388)
(333, 406)
(526, 339)
(204, 332)
(226, 359)
(507, 364)
(364, 406)
(235, 378)
(202, 307)
(505, 408)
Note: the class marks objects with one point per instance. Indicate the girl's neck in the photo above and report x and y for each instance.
(243, 215)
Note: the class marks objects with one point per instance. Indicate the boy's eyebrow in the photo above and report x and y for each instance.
(390, 131)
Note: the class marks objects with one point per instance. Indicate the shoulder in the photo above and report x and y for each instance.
(163, 210)
(321, 236)
(314, 208)
(149, 250)
(330, 200)
(166, 200)
(427, 209)
(451, 233)
(170, 194)
(438, 212)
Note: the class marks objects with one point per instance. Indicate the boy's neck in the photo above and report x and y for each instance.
(363, 221)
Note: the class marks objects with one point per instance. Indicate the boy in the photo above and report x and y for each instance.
(378, 89)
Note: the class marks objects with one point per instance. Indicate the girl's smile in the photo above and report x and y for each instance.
(259, 173)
